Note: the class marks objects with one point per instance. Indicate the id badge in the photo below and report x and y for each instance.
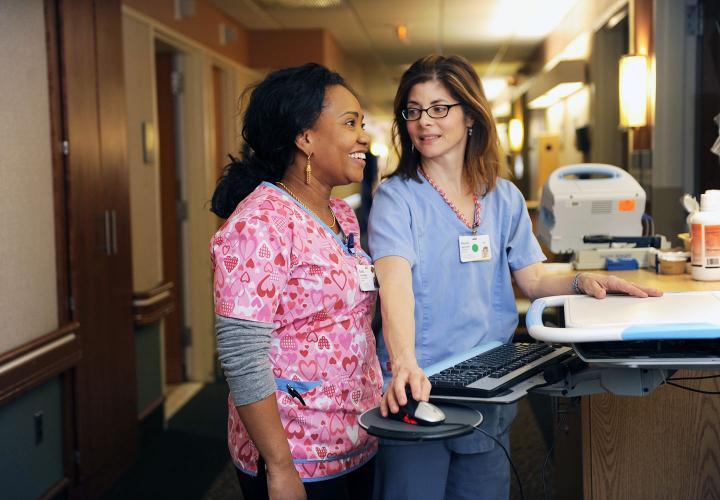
(474, 248)
(366, 275)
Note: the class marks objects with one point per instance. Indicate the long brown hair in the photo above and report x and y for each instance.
(483, 159)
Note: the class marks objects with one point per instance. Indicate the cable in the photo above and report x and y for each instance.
(547, 458)
(673, 379)
(651, 223)
(512, 465)
(694, 390)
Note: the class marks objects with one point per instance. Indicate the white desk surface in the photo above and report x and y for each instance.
(619, 311)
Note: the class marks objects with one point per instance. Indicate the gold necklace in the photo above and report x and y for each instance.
(332, 214)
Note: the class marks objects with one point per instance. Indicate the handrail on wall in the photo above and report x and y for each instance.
(148, 294)
(39, 360)
(38, 342)
(152, 305)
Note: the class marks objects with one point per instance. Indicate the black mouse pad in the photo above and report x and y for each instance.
(459, 420)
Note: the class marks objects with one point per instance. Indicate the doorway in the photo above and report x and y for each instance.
(168, 88)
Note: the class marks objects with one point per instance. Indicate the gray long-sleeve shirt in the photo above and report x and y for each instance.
(243, 348)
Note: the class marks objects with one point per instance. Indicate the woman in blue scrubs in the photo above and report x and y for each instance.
(448, 235)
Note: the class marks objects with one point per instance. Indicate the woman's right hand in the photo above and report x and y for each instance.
(284, 483)
(405, 372)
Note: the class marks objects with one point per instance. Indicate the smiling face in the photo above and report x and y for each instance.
(337, 140)
(437, 138)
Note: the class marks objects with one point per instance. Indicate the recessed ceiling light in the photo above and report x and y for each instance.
(300, 4)
(401, 32)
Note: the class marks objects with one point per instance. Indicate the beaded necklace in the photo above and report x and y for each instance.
(476, 203)
(334, 220)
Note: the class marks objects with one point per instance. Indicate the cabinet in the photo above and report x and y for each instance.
(93, 109)
(663, 446)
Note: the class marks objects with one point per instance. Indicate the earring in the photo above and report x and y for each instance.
(470, 132)
(308, 169)
(412, 148)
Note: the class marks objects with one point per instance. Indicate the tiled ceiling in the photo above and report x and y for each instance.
(497, 36)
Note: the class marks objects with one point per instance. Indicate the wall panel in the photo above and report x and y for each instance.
(29, 467)
(138, 47)
(28, 286)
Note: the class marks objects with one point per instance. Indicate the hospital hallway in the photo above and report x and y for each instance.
(190, 459)
(594, 119)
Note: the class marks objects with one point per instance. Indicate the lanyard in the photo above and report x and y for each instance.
(476, 203)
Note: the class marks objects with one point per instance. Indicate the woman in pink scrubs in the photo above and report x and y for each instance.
(292, 294)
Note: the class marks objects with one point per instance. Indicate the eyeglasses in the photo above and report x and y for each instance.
(436, 111)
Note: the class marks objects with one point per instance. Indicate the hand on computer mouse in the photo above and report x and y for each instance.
(405, 373)
(418, 412)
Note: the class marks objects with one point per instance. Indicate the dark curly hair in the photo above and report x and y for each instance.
(281, 106)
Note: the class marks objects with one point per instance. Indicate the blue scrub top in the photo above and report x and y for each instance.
(457, 305)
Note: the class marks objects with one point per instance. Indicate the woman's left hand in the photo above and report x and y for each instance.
(599, 285)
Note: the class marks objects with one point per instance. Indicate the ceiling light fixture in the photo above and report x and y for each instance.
(559, 91)
(401, 32)
(566, 78)
(615, 20)
(300, 4)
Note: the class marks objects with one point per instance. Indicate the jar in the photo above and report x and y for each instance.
(672, 262)
(705, 229)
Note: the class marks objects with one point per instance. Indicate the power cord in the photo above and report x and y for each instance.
(650, 228)
(675, 379)
(512, 465)
(693, 390)
(547, 459)
(671, 381)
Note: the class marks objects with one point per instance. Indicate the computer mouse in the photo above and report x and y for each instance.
(418, 412)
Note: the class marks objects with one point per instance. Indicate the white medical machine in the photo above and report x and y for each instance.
(589, 199)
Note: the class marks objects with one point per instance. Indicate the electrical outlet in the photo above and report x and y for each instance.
(39, 430)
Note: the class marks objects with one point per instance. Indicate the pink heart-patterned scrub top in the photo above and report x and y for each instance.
(276, 262)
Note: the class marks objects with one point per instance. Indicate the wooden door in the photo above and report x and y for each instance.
(93, 104)
(169, 199)
(548, 159)
(119, 341)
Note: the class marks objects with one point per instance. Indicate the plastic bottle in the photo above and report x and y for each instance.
(705, 228)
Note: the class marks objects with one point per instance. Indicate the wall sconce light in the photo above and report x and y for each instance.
(633, 91)
(516, 134)
(148, 142)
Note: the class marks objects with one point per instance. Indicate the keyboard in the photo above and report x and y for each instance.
(493, 372)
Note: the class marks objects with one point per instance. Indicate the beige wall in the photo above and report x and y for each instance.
(197, 166)
(585, 16)
(28, 289)
(570, 39)
(145, 215)
(563, 118)
(337, 60)
(203, 27)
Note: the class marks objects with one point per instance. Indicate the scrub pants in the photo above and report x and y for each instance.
(355, 485)
(471, 467)
(435, 471)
